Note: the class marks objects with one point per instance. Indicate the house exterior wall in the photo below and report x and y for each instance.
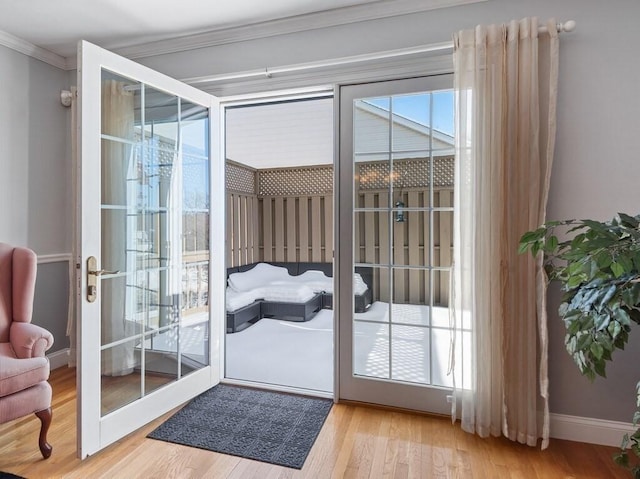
(373, 138)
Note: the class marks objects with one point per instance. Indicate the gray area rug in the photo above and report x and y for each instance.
(8, 475)
(267, 426)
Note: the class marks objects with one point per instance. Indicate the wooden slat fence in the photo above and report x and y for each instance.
(296, 228)
(411, 245)
(242, 229)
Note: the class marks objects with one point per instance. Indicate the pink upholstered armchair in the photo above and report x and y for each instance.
(24, 369)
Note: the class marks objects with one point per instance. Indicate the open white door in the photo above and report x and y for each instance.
(150, 248)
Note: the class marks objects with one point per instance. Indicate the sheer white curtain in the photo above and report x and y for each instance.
(506, 88)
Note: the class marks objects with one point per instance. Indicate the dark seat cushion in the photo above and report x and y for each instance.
(326, 268)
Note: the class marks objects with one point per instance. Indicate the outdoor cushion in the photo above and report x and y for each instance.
(256, 277)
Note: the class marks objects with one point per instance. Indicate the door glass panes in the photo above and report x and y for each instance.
(403, 229)
(155, 239)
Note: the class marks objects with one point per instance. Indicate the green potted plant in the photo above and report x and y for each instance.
(598, 267)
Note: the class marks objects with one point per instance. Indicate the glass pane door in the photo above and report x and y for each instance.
(398, 161)
(148, 339)
(155, 239)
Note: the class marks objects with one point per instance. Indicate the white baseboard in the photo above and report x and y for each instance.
(586, 429)
(58, 359)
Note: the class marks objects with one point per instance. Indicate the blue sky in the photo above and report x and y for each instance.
(416, 107)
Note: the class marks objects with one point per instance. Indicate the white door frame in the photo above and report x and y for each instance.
(264, 99)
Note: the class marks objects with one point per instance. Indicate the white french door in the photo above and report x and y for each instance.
(395, 221)
(150, 246)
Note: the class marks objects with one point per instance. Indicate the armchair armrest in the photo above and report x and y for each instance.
(29, 340)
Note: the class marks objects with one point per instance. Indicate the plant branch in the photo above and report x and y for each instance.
(599, 270)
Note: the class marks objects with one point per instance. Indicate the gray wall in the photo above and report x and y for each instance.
(51, 302)
(595, 172)
(35, 183)
(596, 168)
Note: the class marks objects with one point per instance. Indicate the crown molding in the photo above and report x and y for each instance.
(29, 49)
(312, 21)
(239, 33)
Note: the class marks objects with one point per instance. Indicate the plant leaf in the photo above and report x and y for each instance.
(628, 220)
(622, 317)
(597, 350)
(551, 244)
(600, 368)
(532, 236)
(523, 248)
(617, 269)
(614, 329)
(604, 259)
(626, 262)
(602, 321)
(621, 459)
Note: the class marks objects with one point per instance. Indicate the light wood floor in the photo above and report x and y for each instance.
(358, 442)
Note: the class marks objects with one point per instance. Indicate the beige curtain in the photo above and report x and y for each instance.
(506, 88)
(118, 166)
(71, 312)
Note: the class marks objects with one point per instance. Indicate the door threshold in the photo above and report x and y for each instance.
(278, 388)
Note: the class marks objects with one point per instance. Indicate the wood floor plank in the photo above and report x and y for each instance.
(355, 442)
(348, 443)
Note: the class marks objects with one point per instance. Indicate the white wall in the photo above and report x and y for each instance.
(597, 165)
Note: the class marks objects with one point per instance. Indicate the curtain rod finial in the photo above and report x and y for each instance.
(568, 26)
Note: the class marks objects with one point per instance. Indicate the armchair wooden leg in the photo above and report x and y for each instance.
(45, 419)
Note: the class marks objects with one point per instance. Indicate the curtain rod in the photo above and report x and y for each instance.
(267, 72)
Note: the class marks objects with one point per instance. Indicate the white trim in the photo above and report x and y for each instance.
(276, 96)
(29, 49)
(312, 21)
(54, 258)
(268, 72)
(589, 430)
(58, 359)
(324, 78)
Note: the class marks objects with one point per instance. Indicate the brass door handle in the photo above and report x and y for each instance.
(100, 272)
(92, 277)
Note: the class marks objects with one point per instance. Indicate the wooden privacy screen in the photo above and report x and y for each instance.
(297, 228)
(286, 214)
(242, 215)
(412, 240)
